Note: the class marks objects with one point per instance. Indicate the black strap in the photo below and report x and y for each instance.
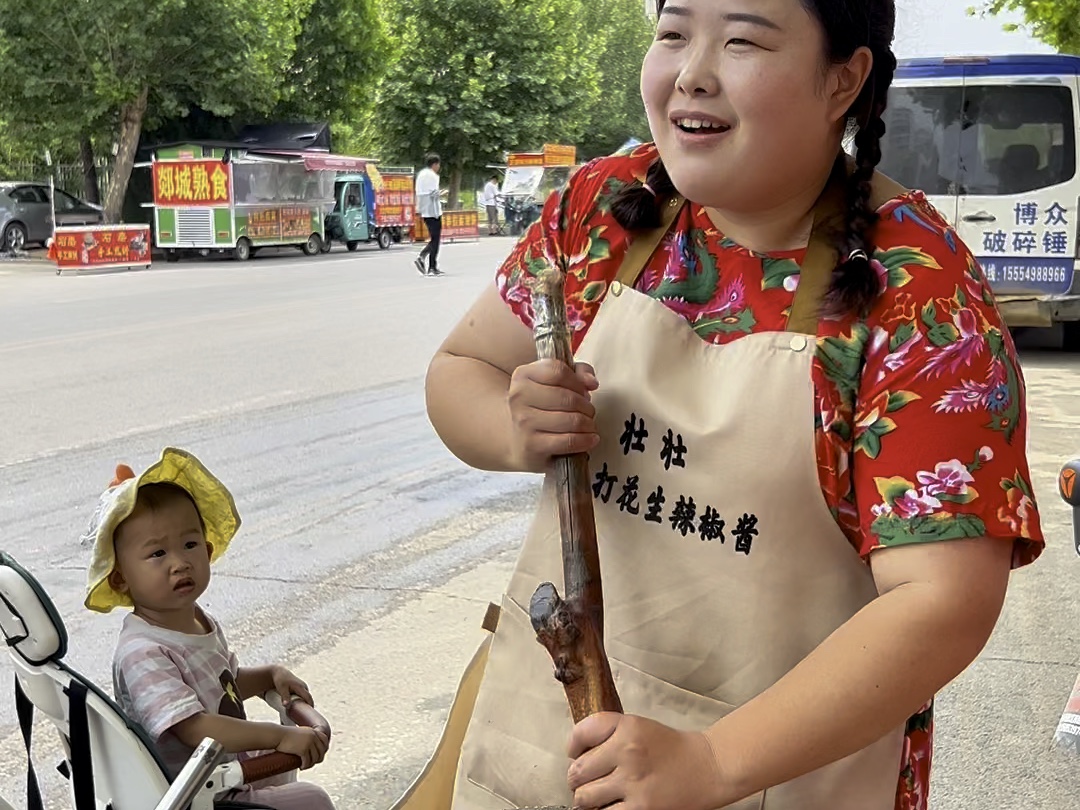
(25, 711)
(82, 764)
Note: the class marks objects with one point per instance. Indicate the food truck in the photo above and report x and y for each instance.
(528, 177)
(238, 198)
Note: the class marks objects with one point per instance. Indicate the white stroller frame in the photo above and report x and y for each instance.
(109, 761)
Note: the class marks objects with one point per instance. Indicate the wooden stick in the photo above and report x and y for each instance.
(571, 629)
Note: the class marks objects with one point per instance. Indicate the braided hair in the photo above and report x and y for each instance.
(848, 25)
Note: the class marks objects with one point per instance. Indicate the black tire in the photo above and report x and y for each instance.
(14, 236)
(242, 251)
(325, 244)
(1070, 340)
(312, 246)
(172, 255)
(384, 238)
(352, 245)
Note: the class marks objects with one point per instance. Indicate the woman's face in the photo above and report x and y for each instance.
(754, 73)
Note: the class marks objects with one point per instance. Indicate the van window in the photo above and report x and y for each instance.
(982, 139)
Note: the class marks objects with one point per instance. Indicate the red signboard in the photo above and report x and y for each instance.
(101, 246)
(395, 202)
(273, 224)
(189, 183)
(455, 225)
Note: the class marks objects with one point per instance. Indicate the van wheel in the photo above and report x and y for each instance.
(172, 255)
(352, 244)
(384, 239)
(242, 251)
(1070, 336)
(312, 246)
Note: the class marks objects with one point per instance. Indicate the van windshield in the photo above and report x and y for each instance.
(982, 139)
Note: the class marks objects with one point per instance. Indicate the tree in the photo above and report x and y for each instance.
(474, 78)
(341, 53)
(1055, 22)
(626, 34)
(103, 64)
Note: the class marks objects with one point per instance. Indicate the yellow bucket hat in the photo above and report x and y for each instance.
(175, 466)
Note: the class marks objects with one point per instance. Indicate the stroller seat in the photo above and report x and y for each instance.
(109, 760)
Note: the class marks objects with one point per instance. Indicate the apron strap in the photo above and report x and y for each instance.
(816, 271)
(643, 246)
(815, 275)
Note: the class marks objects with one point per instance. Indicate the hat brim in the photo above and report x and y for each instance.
(212, 499)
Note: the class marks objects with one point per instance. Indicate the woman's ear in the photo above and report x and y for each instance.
(846, 82)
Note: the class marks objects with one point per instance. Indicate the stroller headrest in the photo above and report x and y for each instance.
(29, 620)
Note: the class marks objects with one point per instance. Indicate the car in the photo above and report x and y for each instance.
(26, 215)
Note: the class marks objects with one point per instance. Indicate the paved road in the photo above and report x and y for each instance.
(368, 553)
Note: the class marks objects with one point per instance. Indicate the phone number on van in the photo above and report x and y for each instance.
(1055, 274)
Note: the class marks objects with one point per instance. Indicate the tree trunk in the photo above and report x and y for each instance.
(91, 193)
(131, 119)
(455, 187)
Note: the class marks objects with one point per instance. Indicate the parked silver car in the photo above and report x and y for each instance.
(26, 215)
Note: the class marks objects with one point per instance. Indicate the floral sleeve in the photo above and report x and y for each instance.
(940, 426)
(529, 256)
(562, 234)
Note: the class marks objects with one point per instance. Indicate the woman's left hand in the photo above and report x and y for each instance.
(631, 763)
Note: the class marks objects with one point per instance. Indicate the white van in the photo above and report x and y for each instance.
(992, 141)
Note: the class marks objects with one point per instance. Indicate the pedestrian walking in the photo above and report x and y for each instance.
(429, 206)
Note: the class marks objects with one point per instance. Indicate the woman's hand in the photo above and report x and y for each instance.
(551, 413)
(631, 763)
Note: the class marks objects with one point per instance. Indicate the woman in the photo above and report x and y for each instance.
(787, 584)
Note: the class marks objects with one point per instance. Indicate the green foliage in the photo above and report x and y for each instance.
(340, 55)
(1055, 22)
(626, 33)
(474, 78)
(470, 79)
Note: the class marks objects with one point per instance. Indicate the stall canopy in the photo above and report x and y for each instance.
(306, 137)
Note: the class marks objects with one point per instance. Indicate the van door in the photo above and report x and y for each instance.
(920, 148)
(1017, 206)
(355, 213)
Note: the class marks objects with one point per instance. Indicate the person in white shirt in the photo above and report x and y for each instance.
(429, 207)
(491, 202)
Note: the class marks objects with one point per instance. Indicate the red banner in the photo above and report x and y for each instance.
(395, 201)
(274, 224)
(99, 246)
(188, 183)
(455, 225)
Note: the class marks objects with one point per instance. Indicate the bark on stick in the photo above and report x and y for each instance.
(571, 628)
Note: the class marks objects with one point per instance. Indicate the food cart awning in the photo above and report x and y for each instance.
(339, 163)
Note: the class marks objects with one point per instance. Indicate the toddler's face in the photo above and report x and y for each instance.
(162, 557)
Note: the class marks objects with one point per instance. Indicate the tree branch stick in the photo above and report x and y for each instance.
(571, 629)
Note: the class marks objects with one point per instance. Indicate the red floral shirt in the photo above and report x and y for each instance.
(933, 355)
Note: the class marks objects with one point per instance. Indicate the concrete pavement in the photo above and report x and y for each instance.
(368, 553)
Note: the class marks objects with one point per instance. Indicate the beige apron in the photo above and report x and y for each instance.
(722, 565)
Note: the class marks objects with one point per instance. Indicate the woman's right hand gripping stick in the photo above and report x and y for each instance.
(552, 412)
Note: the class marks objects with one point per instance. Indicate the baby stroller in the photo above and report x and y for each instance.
(109, 761)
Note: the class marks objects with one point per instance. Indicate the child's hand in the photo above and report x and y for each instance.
(286, 684)
(307, 743)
